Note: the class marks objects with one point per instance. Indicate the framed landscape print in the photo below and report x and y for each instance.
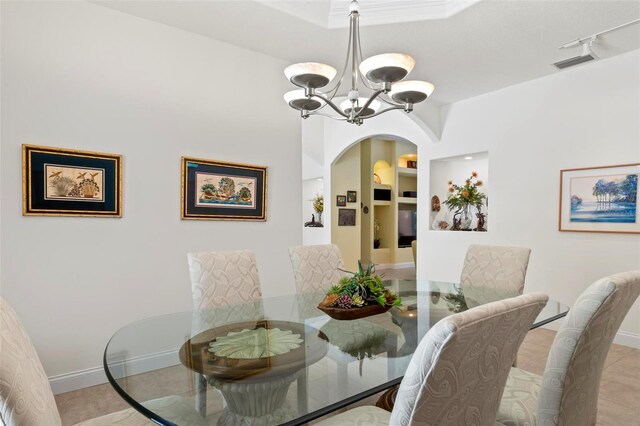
(216, 190)
(65, 182)
(341, 200)
(600, 199)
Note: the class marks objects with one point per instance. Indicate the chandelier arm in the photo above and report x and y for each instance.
(354, 49)
(333, 117)
(364, 79)
(388, 102)
(383, 111)
(331, 104)
(366, 105)
(331, 93)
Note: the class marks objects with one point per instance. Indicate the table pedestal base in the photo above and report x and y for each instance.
(255, 403)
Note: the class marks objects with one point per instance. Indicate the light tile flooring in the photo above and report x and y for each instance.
(619, 390)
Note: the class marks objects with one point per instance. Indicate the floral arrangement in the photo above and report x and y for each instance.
(466, 195)
(361, 289)
(318, 203)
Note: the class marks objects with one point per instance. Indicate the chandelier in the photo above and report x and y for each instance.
(380, 74)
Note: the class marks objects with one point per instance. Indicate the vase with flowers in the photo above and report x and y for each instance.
(318, 206)
(462, 198)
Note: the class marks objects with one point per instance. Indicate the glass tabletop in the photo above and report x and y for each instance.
(279, 360)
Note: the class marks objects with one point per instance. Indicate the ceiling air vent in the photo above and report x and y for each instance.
(586, 56)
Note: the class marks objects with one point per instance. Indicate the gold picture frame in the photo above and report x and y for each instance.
(70, 182)
(220, 190)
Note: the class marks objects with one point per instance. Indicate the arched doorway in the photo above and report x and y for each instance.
(374, 208)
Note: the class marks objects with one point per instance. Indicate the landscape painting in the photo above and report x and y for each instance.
(225, 191)
(603, 199)
(219, 190)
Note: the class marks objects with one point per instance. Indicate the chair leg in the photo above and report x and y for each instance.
(201, 394)
(302, 392)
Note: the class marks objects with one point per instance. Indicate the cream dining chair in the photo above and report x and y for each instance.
(493, 273)
(457, 374)
(567, 393)
(316, 267)
(26, 398)
(222, 278)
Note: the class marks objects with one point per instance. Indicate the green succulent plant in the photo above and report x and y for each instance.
(360, 289)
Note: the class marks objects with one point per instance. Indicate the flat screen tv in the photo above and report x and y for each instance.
(407, 224)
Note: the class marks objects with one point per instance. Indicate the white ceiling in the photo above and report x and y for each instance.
(487, 46)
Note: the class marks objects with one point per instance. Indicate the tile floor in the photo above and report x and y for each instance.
(619, 391)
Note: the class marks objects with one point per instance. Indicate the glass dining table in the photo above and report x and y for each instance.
(279, 360)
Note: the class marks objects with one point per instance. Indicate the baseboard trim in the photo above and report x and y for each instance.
(68, 382)
(623, 338)
(627, 339)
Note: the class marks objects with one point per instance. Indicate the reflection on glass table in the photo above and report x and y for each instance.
(277, 361)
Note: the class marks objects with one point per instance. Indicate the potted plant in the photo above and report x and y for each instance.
(462, 198)
(360, 295)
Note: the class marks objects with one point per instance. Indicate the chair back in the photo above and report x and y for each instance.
(458, 372)
(25, 394)
(492, 273)
(316, 268)
(571, 380)
(222, 278)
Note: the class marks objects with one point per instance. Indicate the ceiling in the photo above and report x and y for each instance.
(485, 46)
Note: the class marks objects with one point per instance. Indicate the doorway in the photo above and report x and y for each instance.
(374, 210)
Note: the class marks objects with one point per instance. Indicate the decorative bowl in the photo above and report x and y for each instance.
(347, 314)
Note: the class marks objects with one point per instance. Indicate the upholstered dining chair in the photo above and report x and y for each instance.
(567, 393)
(222, 278)
(457, 374)
(25, 395)
(493, 273)
(315, 267)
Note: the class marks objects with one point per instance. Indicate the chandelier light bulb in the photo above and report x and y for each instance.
(387, 68)
(411, 91)
(298, 100)
(310, 74)
(373, 107)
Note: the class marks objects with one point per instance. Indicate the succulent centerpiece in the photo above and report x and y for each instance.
(362, 294)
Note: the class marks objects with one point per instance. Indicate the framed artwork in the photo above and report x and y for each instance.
(600, 199)
(346, 217)
(352, 196)
(66, 182)
(216, 190)
(341, 200)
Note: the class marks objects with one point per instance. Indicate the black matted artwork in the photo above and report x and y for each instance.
(216, 190)
(341, 200)
(352, 196)
(346, 217)
(67, 182)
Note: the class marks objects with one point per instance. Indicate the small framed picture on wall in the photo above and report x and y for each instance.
(341, 200)
(352, 196)
(346, 217)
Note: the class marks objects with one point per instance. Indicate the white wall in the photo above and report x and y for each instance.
(78, 75)
(580, 117)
